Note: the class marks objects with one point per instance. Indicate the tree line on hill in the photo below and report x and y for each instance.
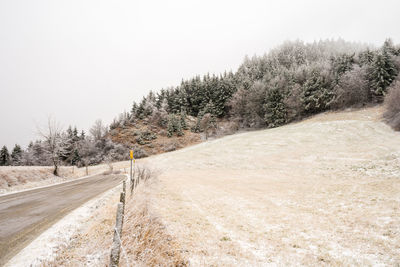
(291, 82)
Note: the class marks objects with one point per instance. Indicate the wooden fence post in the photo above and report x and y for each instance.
(122, 200)
(116, 245)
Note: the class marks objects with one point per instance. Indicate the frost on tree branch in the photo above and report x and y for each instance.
(55, 142)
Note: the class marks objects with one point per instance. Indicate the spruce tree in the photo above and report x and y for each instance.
(16, 155)
(388, 47)
(82, 136)
(134, 109)
(174, 125)
(76, 158)
(275, 110)
(210, 108)
(75, 134)
(170, 126)
(4, 156)
(381, 74)
(366, 57)
(183, 120)
(178, 127)
(316, 94)
(69, 145)
(141, 109)
(341, 64)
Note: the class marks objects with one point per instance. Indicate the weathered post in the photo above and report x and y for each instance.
(122, 199)
(131, 178)
(116, 245)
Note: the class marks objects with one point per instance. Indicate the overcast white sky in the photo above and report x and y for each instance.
(83, 60)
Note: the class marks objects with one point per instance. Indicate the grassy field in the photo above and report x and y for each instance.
(322, 191)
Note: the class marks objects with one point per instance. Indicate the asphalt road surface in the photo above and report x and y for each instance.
(25, 215)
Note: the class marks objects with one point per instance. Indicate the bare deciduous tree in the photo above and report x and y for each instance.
(55, 144)
(208, 125)
(98, 130)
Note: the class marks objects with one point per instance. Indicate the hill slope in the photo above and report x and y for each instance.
(325, 190)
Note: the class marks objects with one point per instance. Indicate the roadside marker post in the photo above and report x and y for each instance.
(131, 156)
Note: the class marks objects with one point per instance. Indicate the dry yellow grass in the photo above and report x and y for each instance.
(145, 238)
(129, 134)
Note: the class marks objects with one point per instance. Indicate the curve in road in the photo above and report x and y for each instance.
(25, 215)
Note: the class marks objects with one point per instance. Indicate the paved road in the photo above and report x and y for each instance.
(24, 215)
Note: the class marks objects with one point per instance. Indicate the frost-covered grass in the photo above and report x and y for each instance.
(87, 242)
(325, 191)
(322, 191)
(15, 178)
(146, 240)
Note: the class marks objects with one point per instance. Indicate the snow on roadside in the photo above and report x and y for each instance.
(45, 246)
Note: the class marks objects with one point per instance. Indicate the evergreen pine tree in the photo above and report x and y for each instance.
(160, 98)
(170, 125)
(183, 120)
(75, 134)
(196, 128)
(69, 145)
(275, 110)
(210, 108)
(381, 74)
(316, 94)
(388, 47)
(82, 136)
(174, 125)
(178, 127)
(141, 109)
(134, 110)
(4, 156)
(341, 64)
(76, 158)
(16, 155)
(366, 57)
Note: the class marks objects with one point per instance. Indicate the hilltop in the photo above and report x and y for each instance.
(290, 83)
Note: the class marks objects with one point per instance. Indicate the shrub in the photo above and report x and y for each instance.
(139, 152)
(145, 137)
(174, 125)
(392, 106)
(171, 146)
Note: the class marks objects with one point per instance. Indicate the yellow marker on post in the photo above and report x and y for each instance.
(132, 160)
